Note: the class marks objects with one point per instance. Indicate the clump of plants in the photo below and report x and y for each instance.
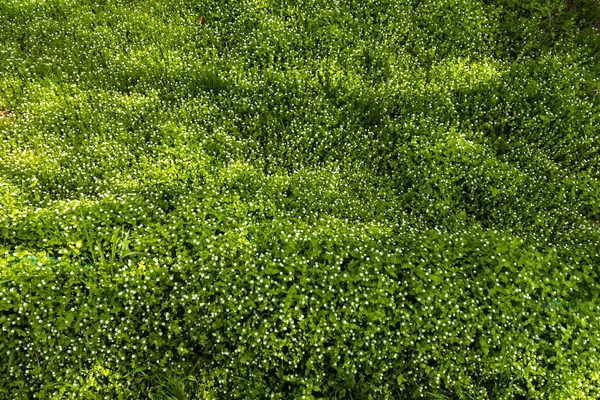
(314, 200)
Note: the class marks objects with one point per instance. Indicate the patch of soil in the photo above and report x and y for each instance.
(5, 113)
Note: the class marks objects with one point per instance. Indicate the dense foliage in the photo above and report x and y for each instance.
(299, 199)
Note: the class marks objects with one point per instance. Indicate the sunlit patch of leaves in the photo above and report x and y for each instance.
(275, 199)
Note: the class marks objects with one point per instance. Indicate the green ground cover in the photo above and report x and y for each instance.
(299, 199)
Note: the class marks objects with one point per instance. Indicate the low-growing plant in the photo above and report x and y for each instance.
(312, 200)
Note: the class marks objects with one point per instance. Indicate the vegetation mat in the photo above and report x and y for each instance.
(377, 199)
